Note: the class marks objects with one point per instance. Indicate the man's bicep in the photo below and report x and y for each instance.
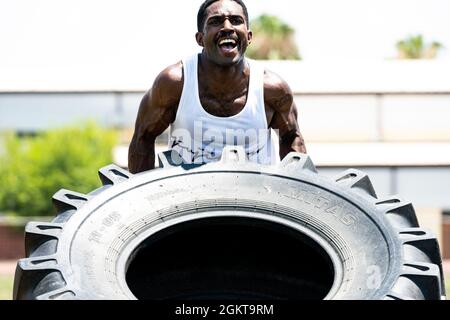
(285, 122)
(142, 111)
(285, 119)
(153, 117)
(158, 106)
(279, 98)
(150, 123)
(157, 111)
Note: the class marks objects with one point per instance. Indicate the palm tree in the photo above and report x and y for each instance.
(414, 47)
(273, 39)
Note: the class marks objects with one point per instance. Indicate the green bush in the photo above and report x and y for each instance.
(32, 169)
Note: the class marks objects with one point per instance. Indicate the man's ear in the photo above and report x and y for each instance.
(199, 38)
(250, 37)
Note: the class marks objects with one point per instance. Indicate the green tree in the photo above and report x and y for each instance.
(414, 47)
(273, 39)
(34, 168)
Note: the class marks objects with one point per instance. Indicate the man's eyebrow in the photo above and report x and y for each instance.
(216, 16)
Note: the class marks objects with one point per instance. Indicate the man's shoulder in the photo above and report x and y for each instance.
(277, 92)
(170, 76)
(275, 84)
(167, 87)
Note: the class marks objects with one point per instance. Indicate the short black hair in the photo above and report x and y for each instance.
(201, 16)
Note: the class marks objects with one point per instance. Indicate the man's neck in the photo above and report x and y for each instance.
(222, 74)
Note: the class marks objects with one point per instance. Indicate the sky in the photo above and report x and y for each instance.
(54, 33)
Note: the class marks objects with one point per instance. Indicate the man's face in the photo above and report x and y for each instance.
(225, 36)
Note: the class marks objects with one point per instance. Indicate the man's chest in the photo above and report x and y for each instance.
(223, 104)
(229, 104)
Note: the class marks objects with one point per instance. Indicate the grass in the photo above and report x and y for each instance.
(447, 285)
(6, 287)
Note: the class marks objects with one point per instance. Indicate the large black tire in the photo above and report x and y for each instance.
(230, 229)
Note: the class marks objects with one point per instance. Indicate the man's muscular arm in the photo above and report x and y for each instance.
(156, 112)
(279, 97)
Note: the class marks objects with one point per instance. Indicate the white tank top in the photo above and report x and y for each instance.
(200, 137)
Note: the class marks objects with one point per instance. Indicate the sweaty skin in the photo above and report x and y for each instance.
(223, 75)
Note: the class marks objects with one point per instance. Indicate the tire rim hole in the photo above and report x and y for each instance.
(229, 258)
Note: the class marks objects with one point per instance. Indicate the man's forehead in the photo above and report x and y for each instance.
(225, 7)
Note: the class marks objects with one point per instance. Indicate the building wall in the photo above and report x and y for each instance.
(446, 237)
(12, 245)
(374, 117)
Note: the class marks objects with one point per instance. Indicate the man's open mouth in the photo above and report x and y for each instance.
(227, 44)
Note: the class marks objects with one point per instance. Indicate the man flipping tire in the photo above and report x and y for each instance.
(222, 217)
